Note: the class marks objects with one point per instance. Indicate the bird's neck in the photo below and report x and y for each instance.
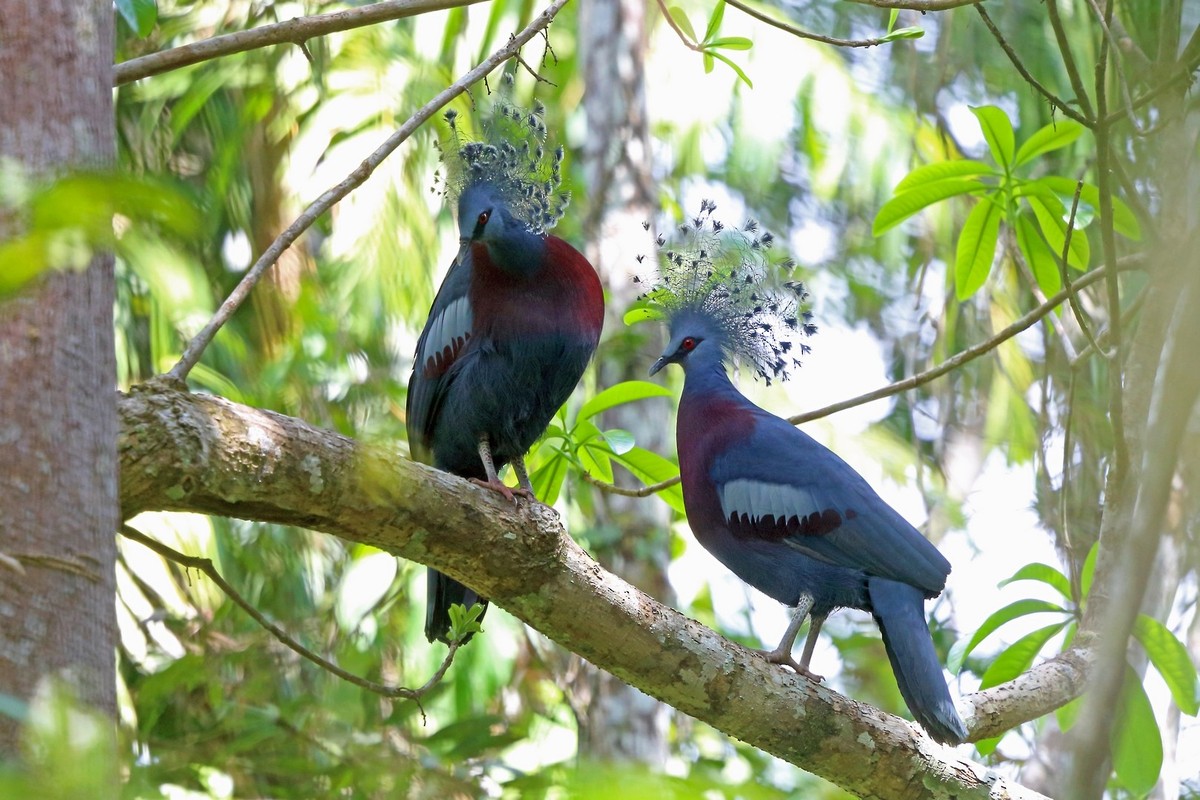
(706, 378)
(520, 253)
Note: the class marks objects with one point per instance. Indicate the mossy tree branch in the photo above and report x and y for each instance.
(188, 452)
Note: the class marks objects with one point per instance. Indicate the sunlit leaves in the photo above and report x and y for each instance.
(1010, 612)
(1036, 209)
(1136, 741)
(711, 45)
(465, 622)
(1170, 657)
(593, 451)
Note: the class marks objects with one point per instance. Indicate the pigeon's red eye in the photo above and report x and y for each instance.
(688, 344)
(483, 218)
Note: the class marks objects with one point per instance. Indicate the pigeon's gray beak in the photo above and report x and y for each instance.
(662, 362)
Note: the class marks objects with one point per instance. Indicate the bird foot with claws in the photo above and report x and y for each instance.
(507, 492)
(785, 659)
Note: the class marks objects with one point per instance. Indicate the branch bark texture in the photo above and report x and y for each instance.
(188, 452)
(295, 31)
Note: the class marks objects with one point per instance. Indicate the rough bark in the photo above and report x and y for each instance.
(58, 420)
(189, 452)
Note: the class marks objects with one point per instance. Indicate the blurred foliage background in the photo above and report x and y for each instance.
(213, 706)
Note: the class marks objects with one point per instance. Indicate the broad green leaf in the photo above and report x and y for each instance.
(732, 43)
(624, 392)
(895, 13)
(998, 132)
(596, 460)
(1042, 262)
(903, 33)
(1043, 573)
(988, 746)
(708, 62)
(683, 22)
(1066, 715)
(977, 246)
(641, 314)
(1136, 741)
(909, 202)
(619, 441)
(548, 479)
(1052, 137)
(714, 21)
(1017, 657)
(140, 14)
(1050, 219)
(732, 66)
(652, 468)
(940, 170)
(1015, 610)
(1170, 658)
(1125, 222)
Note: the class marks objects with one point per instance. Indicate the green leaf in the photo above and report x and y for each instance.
(642, 314)
(732, 66)
(714, 21)
(903, 33)
(909, 202)
(940, 170)
(683, 22)
(1037, 254)
(1017, 657)
(464, 621)
(732, 43)
(1050, 215)
(1052, 137)
(141, 15)
(624, 392)
(708, 62)
(596, 461)
(548, 479)
(892, 17)
(1020, 608)
(998, 132)
(977, 246)
(651, 468)
(619, 441)
(1043, 573)
(1125, 222)
(988, 746)
(1170, 658)
(1136, 742)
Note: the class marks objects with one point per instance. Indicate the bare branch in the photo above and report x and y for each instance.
(803, 34)
(296, 31)
(181, 451)
(1064, 47)
(919, 5)
(323, 203)
(1055, 100)
(207, 567)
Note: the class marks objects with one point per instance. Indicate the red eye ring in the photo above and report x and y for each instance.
(688, 344)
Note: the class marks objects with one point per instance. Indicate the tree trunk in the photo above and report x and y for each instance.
(58, 413)
(616, 721)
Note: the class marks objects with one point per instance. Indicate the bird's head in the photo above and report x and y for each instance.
(696, 340)
(503, 174)
(724, 300)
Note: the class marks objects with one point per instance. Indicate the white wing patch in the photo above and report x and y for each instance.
(450, 331)
(759, 499)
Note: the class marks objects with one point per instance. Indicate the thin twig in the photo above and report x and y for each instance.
(1118, 64)
(207, 567)
(683, 37)
(803, 34)
(323, 203)
(295, 31)
(918, 5)
(1064, 47)
(1127, 316)
(1055, 100)
(952, 363)
(1116, 393)
(1065, 272)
